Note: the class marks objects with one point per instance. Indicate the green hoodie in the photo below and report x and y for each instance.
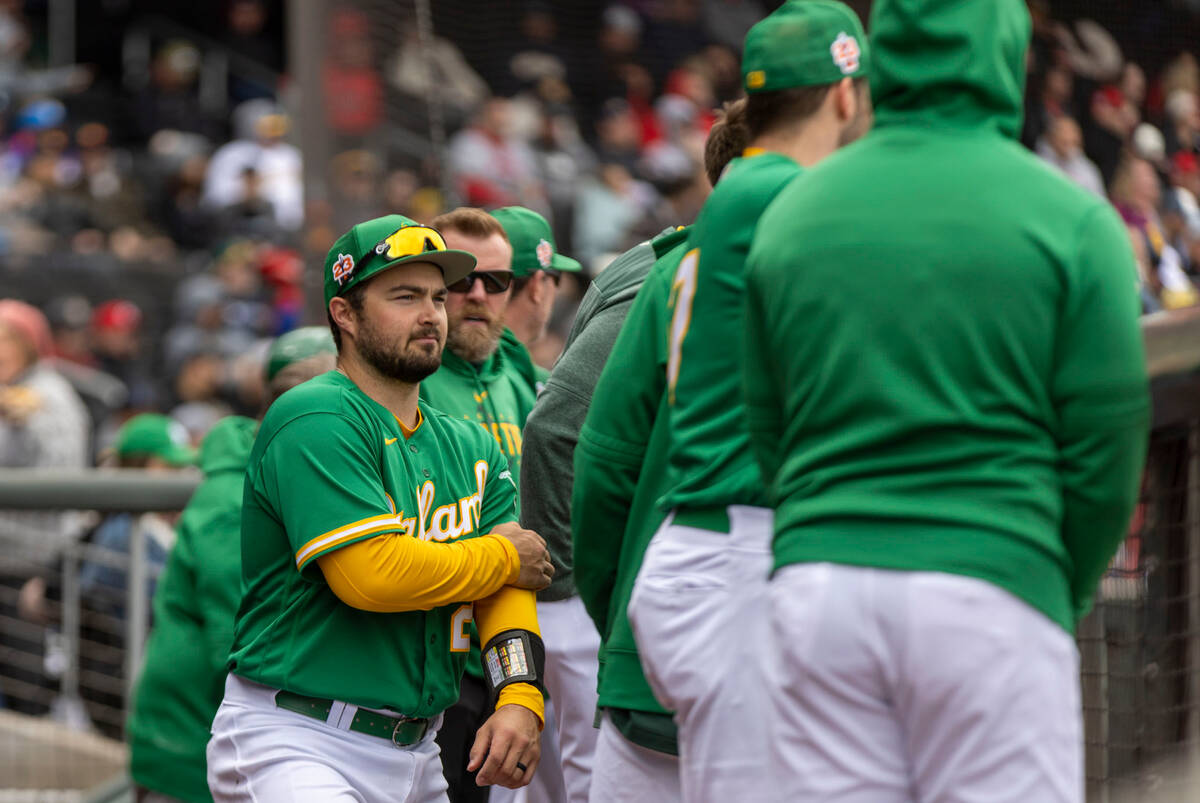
(498, 394)
(183, 678)
(943, 366)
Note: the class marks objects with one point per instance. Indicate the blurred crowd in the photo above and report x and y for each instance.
(1095, 115)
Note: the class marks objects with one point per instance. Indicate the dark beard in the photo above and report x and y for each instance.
(473, 346)
(409, 366)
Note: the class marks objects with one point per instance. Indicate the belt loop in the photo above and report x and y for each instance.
(335, 713)
(348, 714)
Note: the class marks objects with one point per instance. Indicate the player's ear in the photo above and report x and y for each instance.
(343, 315)
(846, 100)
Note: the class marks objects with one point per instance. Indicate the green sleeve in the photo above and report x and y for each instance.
(759, 386)
(612, 443)
(321, 476)
(1101, 398)
(499, 504)
(551, 434)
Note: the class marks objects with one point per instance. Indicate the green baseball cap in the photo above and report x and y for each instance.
(532, 242)
(385, 242)
(804, 43)
(154, 435)
(296, 345)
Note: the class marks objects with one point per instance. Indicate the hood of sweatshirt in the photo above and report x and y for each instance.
(227, 445)
(949, 63)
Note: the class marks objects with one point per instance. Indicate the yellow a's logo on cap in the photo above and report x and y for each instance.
(755, 79)
(845, 53)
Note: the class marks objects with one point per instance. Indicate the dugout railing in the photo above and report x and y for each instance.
(69, 672)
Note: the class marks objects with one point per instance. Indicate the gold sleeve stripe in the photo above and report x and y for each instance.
(375, 524)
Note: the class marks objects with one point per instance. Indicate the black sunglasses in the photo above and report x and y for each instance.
(493, 283)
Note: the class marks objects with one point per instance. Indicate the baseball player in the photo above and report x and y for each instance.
(551, 434)
(697, 604)
(946, 391)
(486, 377)
(183, 677)
(375, 530)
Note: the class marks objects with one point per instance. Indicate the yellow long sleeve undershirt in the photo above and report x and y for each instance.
(512, 608)
(396, 572)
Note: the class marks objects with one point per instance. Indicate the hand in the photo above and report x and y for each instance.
(536, 569)
(18, 403)
(509, 735)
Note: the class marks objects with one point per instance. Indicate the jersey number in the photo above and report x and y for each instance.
(460, 633)
(683, 293)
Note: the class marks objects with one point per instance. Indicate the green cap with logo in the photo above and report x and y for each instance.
(296, 345)
(385, 242)
(804, 43)
(532, 242)
(154, 435)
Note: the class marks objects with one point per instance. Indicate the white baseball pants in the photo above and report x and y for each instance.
(699, 616)
(262, 754)
(625, 772)
(918, 687)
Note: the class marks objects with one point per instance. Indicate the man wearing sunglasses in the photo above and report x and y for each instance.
(486, 377)
(370, 523)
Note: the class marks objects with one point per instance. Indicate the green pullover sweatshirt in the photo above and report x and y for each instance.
(943, 366)
(183, 678)
(499, 395)
(709, 459)
(620, 472)
(552, 429)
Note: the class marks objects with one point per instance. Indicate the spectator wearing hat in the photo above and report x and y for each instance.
(150, 442)
(1062, 147)
(116, 333)
(43, 425)
(274, 167)
(182, 681)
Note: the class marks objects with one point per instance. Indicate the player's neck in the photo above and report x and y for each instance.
(806, 148)
(400, 398)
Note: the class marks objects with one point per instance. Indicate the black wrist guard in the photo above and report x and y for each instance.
(514, 656)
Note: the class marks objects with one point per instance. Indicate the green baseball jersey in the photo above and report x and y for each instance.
(331, 467)
(183, 677)
(709, 460)
(620, 471)
(498, 394)
(948, 373)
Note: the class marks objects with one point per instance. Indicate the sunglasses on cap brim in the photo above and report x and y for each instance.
(409, 241)
(493, 283)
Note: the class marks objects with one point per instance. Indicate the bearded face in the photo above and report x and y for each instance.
(410, 361)
(474, 330)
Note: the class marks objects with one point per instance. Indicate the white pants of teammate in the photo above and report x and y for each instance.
(895, 687)
(263, 754)
(569, 740)
(629, 773)
(698, 612)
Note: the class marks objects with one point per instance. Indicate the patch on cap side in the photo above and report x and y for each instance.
(846, 53)
(342, 268)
